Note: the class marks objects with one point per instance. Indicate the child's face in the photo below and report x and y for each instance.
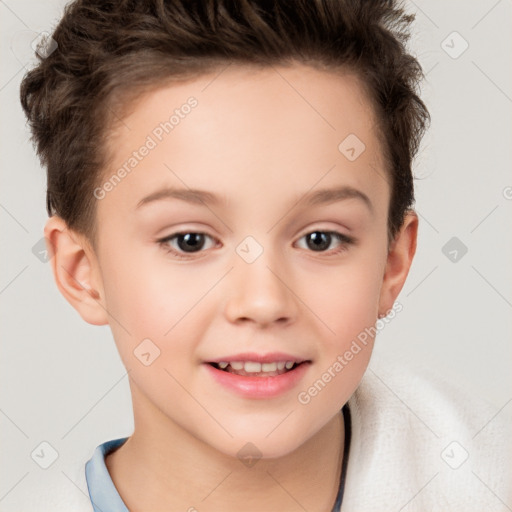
(261, 142)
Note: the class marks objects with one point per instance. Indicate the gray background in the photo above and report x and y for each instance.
(62, 379)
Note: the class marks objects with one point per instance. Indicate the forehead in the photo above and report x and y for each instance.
(259, 130)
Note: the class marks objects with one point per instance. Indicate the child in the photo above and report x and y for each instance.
(279, 136)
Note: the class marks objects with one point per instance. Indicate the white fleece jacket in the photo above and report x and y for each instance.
(418, 445)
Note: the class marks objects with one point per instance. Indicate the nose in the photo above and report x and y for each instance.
(260, 292)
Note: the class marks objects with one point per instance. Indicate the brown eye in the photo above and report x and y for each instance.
(320, 241)
(189, 242)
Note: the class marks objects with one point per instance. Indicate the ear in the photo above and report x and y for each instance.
(76, 271)
(400, 255)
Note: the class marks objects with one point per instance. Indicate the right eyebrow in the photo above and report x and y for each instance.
(191, 195)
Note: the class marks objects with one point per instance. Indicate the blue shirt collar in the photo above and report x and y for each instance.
(102, 492)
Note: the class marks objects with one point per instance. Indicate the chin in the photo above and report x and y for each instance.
(259, 446)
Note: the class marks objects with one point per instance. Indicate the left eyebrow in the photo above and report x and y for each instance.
(331, 195)
(202, 197)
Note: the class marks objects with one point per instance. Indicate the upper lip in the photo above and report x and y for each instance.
(260, 358)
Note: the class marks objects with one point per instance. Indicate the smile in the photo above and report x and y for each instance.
(256, 369)
(256, 380)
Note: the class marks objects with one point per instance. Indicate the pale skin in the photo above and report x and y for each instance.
(259, 145)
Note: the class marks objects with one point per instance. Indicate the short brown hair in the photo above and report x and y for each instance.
(110, 51)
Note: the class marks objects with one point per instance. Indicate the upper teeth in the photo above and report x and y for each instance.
(255, 367)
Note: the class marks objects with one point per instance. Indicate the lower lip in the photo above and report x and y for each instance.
(259, 387)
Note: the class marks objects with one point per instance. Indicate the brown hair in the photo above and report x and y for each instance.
(110, 51)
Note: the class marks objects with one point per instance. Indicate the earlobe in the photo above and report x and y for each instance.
(75, 271)
(399, 260)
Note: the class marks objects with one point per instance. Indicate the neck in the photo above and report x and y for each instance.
(149, 471)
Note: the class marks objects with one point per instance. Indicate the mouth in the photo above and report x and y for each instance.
(258, 376)
(257, 369)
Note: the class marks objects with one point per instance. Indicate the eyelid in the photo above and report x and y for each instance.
(175, 234)
(343, 239)
(325, 229)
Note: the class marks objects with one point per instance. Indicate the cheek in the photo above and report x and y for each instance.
(348, 307)
(346, 298)
(145, 293)
(346, 301)
(157, 309)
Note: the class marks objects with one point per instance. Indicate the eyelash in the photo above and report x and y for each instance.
(343, 239)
